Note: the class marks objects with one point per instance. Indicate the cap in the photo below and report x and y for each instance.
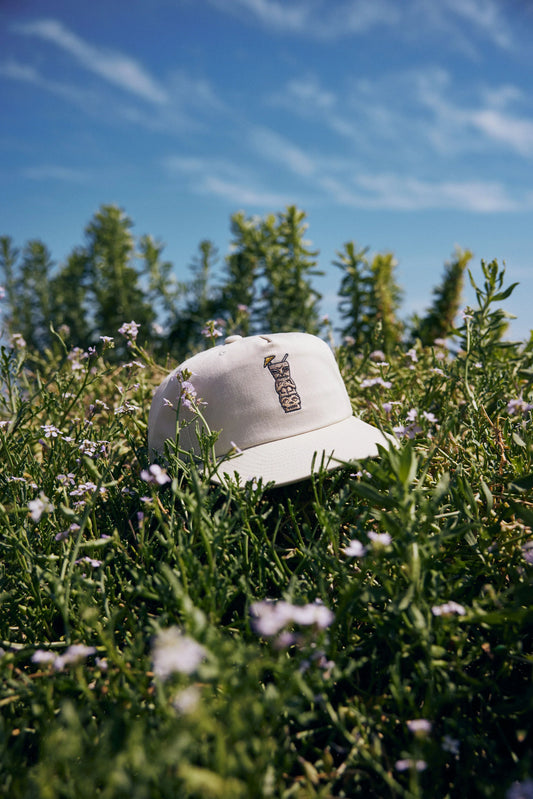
(278, 401)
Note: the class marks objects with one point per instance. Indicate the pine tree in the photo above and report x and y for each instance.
(186, 326)
(289, 301)
(384, 328)
(163, 290)
(69, 307)
(9, 255)
(354, 294)
(32, 295)
(438, 322)
(370, 298)
(237, 294)
(114, 280)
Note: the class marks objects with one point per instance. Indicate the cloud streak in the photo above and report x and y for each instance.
(57, 173)
(114, 67)
(223, 179)
(325, 20)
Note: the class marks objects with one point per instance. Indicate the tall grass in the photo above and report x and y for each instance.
(364, 633)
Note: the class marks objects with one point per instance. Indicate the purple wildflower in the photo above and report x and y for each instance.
(155, 475)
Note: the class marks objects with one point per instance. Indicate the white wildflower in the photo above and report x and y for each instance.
(74, 654)
(355, 549)
(419, 726)
(520, 790)
(172, 651)
(410, 763)
(448, 609)
(129, 330)
(186, 701)
(380, 539)
(39, 506)
(43, 656)
(450, 745)
(155, 475)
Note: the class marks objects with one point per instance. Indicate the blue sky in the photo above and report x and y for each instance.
(405, 125)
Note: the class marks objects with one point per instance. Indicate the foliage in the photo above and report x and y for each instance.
(288, 300)
(187, 324)
(136, 656)
(370, 298)
(265, 284)
(439, 319)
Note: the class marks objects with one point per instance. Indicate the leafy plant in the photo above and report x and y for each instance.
(364, 633)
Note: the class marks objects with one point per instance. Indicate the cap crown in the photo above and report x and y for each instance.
(256, 390)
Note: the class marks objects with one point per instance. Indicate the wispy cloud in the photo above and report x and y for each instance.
(490, 113)
(277, 148)
(190, 103)
(485, 16)
(242, 194)
(26, 73)
(223, 179)
(271, 13)
(320, 19)
(513, 132)
(56, 173)
(413, 115)
(114, 67)
(325, 20)
(342, 182)
(404, 193)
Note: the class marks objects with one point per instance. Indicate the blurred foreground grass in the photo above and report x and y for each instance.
(366, 633)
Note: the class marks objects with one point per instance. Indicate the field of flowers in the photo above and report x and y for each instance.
(368, 632)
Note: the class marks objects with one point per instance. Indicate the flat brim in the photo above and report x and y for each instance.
(290, 460)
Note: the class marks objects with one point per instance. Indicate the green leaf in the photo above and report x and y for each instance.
(523, 483)
(487, 494)
(518, 440)
(367, 491)
(502, 295)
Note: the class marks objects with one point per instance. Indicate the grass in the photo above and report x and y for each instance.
(139, 658)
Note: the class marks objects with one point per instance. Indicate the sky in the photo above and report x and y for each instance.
(403, 125)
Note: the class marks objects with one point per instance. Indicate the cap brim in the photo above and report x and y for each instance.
(290, 460)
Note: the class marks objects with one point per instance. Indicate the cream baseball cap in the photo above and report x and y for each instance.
(278, 401)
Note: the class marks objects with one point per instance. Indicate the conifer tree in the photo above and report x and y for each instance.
(354, 294)
(33, 296)
(69, 307)
(9, 255)
(370, 298)
(200, 304)
(114, 280)
(164, 290)
(238, 292)
(384, 328)
(438, 322)
(289, 301)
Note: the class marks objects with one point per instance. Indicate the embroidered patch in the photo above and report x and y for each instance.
(289, 399)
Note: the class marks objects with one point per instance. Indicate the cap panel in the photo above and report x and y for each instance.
(295, 459)
(279, 398)
(263, 389)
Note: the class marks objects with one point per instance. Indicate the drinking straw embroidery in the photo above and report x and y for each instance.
(285, 386)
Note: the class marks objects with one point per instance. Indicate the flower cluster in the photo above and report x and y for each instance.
(74, 654)
(188, 396)
(448, 609)
(518, 406)
(172, 652)
(130, 331)
(375, 381)
(270, 617)
(40, 506)
(155, 475)
(211, 330)
(411, 428)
